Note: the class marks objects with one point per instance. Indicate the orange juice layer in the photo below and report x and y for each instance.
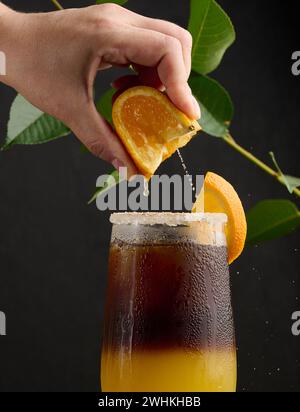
(169, 371)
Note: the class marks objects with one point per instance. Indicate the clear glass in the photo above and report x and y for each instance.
(168, 316)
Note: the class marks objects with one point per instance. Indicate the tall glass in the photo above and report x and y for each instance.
(168, 317)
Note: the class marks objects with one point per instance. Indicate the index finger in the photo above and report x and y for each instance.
(154, 49)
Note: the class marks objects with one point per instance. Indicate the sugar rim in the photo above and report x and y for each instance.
(165, 218)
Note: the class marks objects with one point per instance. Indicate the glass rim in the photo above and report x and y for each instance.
(166, 218)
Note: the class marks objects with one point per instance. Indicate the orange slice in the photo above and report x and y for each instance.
(150, 127)
(220, 197)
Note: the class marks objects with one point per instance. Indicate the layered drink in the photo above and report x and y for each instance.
(168, 318)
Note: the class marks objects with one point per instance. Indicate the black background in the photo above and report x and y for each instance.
(53, 247)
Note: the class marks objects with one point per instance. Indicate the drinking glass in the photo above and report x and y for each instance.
(168, 317)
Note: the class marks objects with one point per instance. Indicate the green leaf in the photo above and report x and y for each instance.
(104, 104)
(291, 182)
(28, 125)
(271, 219)
(216, 105)
(120, 2)
(212, 33)
(112, 180)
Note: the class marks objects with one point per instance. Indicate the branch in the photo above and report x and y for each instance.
(232, 143)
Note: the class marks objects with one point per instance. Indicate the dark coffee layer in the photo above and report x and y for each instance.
(168, 296)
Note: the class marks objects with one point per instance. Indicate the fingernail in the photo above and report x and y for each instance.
(197, 111)
(117, 164)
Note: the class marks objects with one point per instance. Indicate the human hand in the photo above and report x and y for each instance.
(53, 59)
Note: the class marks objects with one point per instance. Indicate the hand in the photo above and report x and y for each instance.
(53, 59)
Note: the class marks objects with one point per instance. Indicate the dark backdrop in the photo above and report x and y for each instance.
(53, 247)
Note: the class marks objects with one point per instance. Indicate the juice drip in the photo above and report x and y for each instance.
(185, 169)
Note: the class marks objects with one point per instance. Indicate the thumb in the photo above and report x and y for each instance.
(100, 139)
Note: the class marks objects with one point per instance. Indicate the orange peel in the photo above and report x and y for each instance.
(221, 197)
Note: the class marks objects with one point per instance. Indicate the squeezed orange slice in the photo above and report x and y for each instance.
(220, 197)
(150, 127)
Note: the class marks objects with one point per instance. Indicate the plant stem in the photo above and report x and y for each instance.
(232, 143)
(57, 5)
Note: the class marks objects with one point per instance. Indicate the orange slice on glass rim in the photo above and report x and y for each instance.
(220, 197)
(150, 127)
